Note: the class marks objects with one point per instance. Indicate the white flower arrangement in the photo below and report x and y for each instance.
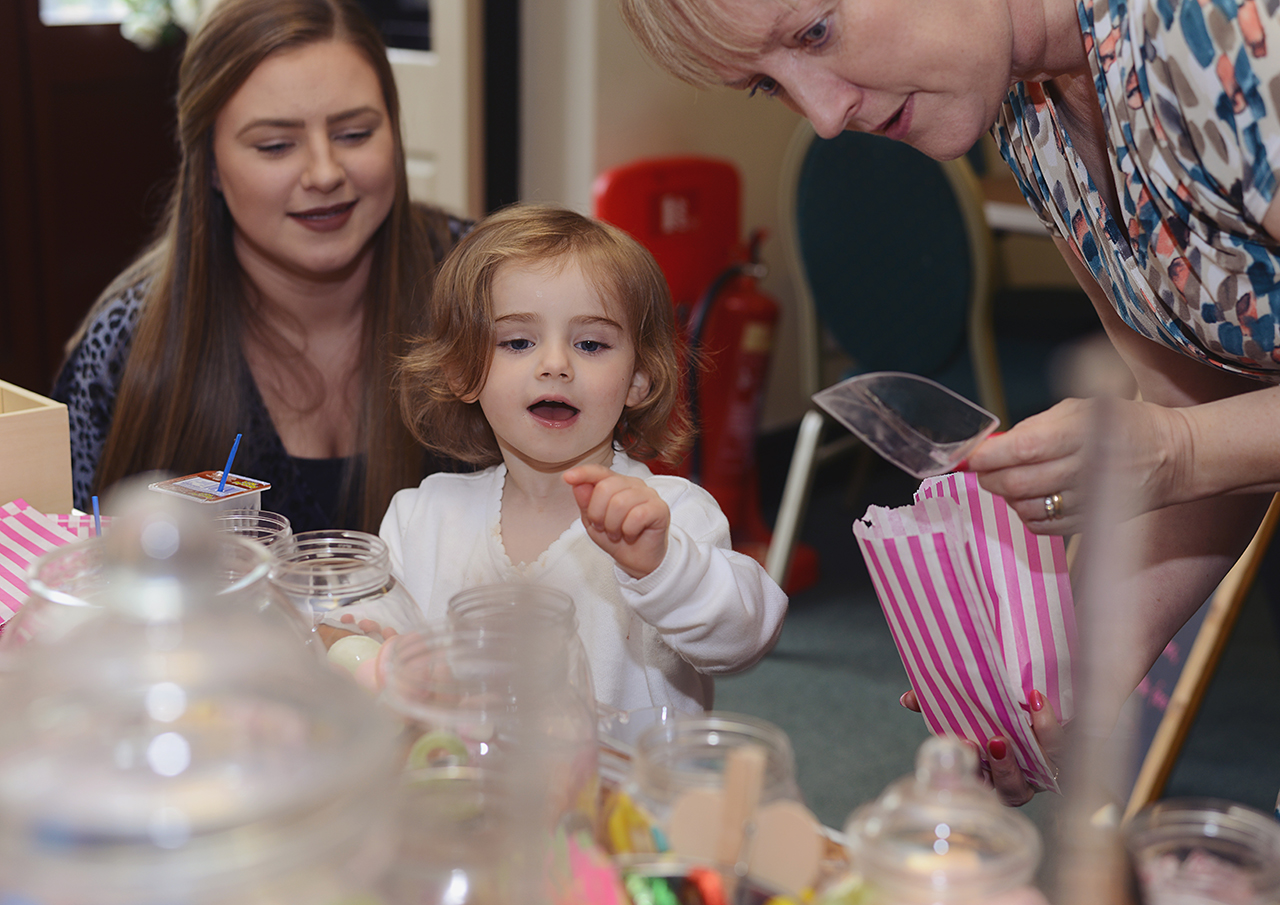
(151, 23)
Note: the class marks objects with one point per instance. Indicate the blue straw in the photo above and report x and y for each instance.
(222, 485)
(97, 519)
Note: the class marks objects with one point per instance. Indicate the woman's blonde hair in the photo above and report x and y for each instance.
(452, 360)
(691, 39)
(184, 391)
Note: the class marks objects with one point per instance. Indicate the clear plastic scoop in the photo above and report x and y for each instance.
(919, 425)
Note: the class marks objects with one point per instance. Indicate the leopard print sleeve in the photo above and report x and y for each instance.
(89, 381)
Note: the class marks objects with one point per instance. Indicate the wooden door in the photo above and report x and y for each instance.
(86, 155)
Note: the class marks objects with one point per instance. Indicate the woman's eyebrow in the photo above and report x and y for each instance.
(351, 114)
(270, 123)
(773, 38)
(280, 123)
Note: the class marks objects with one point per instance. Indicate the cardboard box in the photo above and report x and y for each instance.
(35, 450)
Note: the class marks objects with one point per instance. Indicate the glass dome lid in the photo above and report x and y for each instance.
(940, 834)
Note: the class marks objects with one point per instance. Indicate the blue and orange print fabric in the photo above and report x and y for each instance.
(1190, 97)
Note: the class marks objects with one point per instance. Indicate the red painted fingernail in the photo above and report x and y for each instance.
(903, 700)
(996, 748)
(1037, 701)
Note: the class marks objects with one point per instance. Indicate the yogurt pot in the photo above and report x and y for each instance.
(202, 487)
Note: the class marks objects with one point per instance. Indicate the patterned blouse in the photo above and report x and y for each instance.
(306, 491)
(1189, 93)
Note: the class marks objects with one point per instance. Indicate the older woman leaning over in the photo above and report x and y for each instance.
(1146, 137)
(290, 266)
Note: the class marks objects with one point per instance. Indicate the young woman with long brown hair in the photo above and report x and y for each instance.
(290, 266)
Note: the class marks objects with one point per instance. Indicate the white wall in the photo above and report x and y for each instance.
(440, 102)
(591, 101)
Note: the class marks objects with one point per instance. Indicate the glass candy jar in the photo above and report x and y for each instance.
(1197, 851)
(179, 749)
(66, 586)
(691, 753)
(331, 573)
(488, 699)
(540, 612)
(718, 789)
(940, 836)
(267, 528)
(499, 754)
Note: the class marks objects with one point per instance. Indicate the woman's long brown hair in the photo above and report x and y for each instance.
(182, 393)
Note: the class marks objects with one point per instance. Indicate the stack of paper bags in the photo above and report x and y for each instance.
(981, 612)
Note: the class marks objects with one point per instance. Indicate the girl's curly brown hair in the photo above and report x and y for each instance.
(452, 360)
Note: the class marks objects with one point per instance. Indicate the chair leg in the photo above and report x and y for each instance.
(864, 462)
(795, 497)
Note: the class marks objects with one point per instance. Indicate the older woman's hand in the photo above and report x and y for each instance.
(1045, 466)
(1001, 770)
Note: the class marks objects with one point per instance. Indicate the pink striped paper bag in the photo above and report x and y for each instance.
(25, 535)
(80, 524)
(980, 610)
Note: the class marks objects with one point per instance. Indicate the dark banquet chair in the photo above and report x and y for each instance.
(893, 260)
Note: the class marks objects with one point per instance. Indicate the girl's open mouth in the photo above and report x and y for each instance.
(552, 410)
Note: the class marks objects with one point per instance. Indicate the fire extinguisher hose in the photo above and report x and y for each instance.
(698, 319)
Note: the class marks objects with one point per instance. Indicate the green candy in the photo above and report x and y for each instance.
(438, 749)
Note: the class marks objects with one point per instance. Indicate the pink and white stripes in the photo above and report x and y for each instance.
(80, 524)
(25, 535)
(980, 609)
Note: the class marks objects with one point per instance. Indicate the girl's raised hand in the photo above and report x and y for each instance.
(623, 515)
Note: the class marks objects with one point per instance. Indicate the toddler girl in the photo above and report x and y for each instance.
(552, 361)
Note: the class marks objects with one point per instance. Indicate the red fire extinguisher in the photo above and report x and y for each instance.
(731, 328)
(686, 212)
